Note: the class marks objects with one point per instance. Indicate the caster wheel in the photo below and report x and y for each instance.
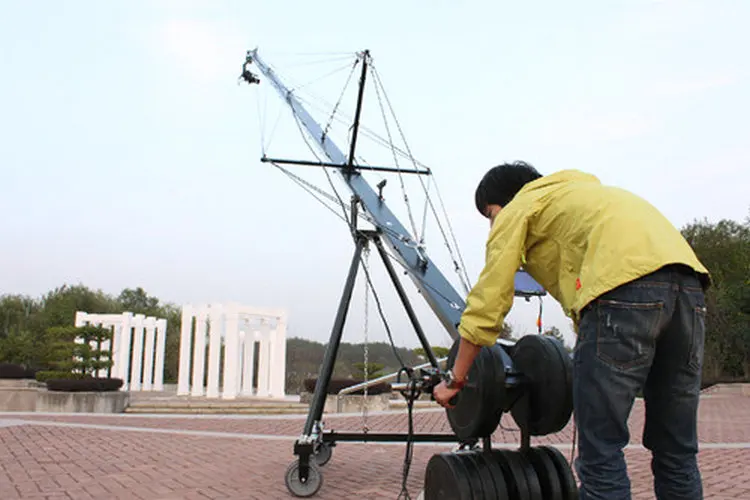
(323, 454)
(297, 487)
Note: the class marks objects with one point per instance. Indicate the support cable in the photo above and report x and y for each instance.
(365, 262)
(319, 78)
(395, 159)
(328, 176)
(457, 261)
(338, 103)
(382, 314)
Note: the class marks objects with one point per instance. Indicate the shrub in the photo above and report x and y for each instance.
(77, 362)
(12, 371)
(43, 376)
(82, 358)
(87, 384)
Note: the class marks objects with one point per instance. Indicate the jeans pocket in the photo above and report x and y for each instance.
(697, 338)
(626, 331)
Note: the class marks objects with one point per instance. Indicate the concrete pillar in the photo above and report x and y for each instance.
(199, 354)
(111, 345)
(278, 359)
(123, 357)
(263, 360)
(116, 336)
(248, 366)
(148, 358)
(161, 346)
(230, 387)
(186, 330)
(135, 372)
(214, 353)
(272, 348)
(80, 320)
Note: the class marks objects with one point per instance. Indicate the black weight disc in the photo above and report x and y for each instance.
(548, 387)
(482, 484)
(567, 409)
(488, 462)
(564, 472)
(532, 480)
(546, 472)
(446, 477)
(476, 412)
(515, 478)
(493, 388)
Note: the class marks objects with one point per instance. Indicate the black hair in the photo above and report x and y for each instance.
(501, 183)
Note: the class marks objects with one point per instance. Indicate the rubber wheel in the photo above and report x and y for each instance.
(309, 487)
(323, 454)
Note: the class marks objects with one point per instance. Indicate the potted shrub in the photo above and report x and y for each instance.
(77, 355)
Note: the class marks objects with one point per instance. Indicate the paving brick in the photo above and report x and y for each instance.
(158, 461)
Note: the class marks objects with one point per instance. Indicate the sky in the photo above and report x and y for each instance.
(130, 155)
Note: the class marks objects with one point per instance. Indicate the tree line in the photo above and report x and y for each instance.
(724, 247)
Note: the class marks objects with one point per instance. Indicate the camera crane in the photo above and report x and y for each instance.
(303, 477)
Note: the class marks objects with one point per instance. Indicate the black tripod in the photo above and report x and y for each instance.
(315, 442)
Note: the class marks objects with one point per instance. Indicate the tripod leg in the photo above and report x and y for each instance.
(407, 304)
(326, 369)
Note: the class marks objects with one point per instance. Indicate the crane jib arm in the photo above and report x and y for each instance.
(440, 295)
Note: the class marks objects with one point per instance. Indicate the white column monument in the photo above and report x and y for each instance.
(199, 355)
(138, 346)
(236, 328)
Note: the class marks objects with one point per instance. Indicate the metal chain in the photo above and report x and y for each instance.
(367, 350)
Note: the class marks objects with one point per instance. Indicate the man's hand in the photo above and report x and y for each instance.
(443, 394)
(464, 359)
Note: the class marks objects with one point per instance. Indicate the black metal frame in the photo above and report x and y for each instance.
(312, 435)
(305, 163)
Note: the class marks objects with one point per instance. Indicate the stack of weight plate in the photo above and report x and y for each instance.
(539, 473)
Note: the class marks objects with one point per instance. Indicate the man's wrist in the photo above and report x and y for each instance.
(454, 382)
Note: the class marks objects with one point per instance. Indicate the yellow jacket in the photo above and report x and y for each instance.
(578, 239)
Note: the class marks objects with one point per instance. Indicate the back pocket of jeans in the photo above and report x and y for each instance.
(626, 331)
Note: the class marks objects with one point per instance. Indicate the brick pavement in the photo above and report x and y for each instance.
(136, 457)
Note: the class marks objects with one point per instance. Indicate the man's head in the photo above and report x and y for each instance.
(500, 184)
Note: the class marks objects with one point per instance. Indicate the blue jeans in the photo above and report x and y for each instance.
(646, 336)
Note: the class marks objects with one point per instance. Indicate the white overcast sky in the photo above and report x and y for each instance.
(129, 155)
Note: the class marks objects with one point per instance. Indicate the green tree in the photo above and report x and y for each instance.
(60, 305)
(139, 302)
(506, 332)
(20, 347)
(374, 370)
(724, 248)
(18, 314)
(173, 315)
(554, 331)
(437, 350)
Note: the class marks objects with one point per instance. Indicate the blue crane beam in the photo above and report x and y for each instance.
(440, 295)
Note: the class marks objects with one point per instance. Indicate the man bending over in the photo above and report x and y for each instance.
(635, 291)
